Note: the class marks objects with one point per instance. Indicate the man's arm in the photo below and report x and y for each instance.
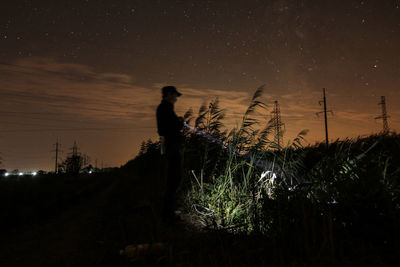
(169, 125)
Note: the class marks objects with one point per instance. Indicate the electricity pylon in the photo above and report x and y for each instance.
(278, 124)
(75, 150)
(57, 150)
(384, 115)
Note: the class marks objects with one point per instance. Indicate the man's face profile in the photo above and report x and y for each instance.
(171, 97)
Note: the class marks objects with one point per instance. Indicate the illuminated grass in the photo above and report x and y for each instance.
(311, 192)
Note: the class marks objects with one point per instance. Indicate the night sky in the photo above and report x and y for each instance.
(91, 71)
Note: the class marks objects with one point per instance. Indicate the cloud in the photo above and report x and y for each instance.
(48, 96)
(79, 91)
(72, 89)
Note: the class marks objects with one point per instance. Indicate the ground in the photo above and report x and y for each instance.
(124, 211)
(91, 232)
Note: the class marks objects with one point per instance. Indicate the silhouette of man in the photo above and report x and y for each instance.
(169, 128)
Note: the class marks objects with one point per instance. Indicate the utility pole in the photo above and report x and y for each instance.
(58, 145)
(325, 116)
(384, 115)
(276, 118)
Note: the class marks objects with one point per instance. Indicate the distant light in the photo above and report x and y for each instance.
(6, 174)
(21, 173)
(33, 173)
(90, 172)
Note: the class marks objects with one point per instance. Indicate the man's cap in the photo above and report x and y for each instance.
(170, 89)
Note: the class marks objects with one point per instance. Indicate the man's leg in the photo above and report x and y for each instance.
(174, 159)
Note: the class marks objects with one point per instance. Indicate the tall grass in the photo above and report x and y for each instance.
(312, 197)
(308, 201)
(231, 197)
(311, 204)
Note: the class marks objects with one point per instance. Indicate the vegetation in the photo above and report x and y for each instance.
(314, 200)
(262, 204)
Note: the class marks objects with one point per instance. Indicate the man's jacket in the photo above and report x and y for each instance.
(168, 124)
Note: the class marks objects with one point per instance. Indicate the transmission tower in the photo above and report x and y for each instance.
(74, 161)
(74, 150)
(277, 123)
(57, 150)
(325, 116)
(384, 115)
